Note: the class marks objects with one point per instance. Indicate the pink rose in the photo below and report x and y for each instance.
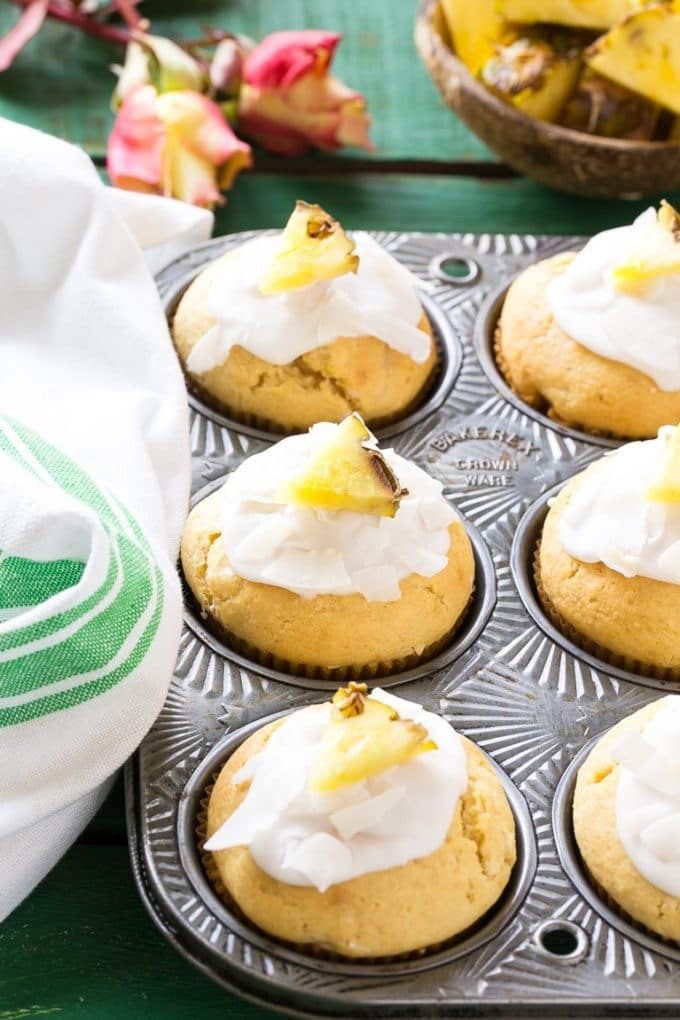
(290, 102)
(177, 144)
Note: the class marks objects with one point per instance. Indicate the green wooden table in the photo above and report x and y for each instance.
(82, 944)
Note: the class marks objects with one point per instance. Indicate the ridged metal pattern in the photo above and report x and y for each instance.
(526, 700)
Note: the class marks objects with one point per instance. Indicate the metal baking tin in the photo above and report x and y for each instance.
(526, 696)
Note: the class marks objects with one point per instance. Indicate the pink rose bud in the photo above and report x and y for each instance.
(176, 144)
(154, 60)
(226, 68)
(290, 102)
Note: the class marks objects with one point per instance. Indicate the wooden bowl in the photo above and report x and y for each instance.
(564, 159)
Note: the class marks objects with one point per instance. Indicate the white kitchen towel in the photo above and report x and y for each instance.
(94, 483)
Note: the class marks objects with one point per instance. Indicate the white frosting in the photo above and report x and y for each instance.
(315, 552)
(378, 300)
(610, 520)
(641, 329)
(648, 797)
(312, 839)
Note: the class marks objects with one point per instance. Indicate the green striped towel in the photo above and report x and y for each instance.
(94, 478)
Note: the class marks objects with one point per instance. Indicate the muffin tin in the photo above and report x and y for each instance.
(523, 693)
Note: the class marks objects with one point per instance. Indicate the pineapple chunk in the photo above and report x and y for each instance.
(577, 13)
(313, 247)
(363, 738)
(601, 107)
(666, 487)
(475, 26)
(349, 473)
(659, 253)
(643, 53)
(537, 74)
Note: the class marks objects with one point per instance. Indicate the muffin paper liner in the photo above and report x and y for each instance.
(367, 672)
(624, 662)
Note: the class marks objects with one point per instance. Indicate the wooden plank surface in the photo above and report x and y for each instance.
(431, 203)
(377, 57)
(83, 946)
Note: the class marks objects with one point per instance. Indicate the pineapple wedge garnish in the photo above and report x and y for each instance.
(475, 26)
(537, 73)
(659, 254)
(348, 473)
(666, 486)
(642, 52)
(364, 737)
(313, 247)
(577, 13)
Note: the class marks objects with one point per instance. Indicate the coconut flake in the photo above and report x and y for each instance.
(362, 816)
(662, 837)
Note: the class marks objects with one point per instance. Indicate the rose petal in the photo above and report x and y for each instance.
(136, 142)
(177, 69)
(134, 73)
(188, 176)
(202, 126)
(283, 57)
(319, 111)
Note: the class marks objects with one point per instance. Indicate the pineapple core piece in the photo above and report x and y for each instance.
(642, 52)
(536, 73)
(602, 107)
(666, 487)
(349, 473)
(659, 254)
(313, 247)
(364, 737)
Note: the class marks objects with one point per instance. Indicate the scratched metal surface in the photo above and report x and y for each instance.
(530, 702)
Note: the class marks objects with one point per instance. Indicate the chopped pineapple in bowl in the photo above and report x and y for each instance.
(582, 97)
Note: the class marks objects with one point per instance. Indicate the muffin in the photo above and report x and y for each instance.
(593, 338)
(608, 566)
(627, 816)
(326, 557)
(365, 827)
(306, 326)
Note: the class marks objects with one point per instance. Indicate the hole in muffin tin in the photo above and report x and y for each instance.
(484, 330)
(561, 942)
(573, 865)
(486, 928)
(524, 545)
(455, 270)
(448, 346)
(474, 621)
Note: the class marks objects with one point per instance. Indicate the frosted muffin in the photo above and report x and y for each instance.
(306, 326)
(365, 827)
(627, 816)
(593, 339)
(325, 554)
(608, 568)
